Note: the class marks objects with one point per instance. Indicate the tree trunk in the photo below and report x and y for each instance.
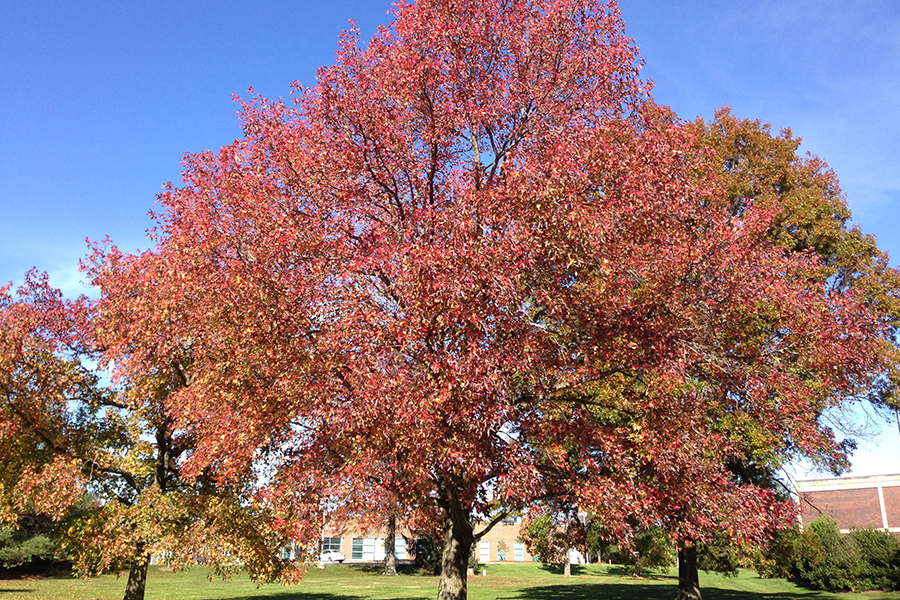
(567, 565)
(458, 540)
(688, 578)
(390, 543)
(137, 579)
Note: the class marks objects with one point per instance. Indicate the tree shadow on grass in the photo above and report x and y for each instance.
(615, 571)
(647, 575)
(17, 591)
(378, 569)
(637, 591)
(558, 569)
(38, 569)
(300, 595)
(735, 595)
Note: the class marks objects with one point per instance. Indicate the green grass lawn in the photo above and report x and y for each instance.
(344, 582)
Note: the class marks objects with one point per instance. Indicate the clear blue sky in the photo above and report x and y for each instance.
(100, 100)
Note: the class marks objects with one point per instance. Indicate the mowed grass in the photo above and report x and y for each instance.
(352, 582)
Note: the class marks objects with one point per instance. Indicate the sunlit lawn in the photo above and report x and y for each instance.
(344, 582)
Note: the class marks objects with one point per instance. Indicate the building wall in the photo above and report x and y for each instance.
(852, 501)
(489, 549)
(892, 506)
(507, 533)
(364, 545)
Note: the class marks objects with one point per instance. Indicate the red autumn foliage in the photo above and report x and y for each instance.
(472, 256)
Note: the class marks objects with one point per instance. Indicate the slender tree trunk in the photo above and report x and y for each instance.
(137, 578)
(567, 565)
(688, 578)
(458, 540)
(390, 544)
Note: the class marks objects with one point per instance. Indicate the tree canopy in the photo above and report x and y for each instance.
(474, 256)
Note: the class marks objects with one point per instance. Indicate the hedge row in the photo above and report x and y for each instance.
(824, 558)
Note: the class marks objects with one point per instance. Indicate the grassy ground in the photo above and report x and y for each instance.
(344, 582)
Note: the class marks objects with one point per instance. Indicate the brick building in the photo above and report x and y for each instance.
(500, 544)
(852, 501)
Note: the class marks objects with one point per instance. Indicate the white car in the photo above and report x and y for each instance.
(332, 556)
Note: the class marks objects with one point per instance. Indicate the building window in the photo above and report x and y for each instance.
(331, 543)
(400, 548)
(369, 549)
(289, 552)
(519, 550)
(501, 550)
(484, 551)
(356, 551)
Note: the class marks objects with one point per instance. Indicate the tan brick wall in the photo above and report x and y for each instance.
(499, 533)
(502, 533)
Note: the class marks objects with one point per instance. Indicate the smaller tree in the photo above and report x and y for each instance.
(649, 548)
(63, 433)
(551, 536)
(502, 550)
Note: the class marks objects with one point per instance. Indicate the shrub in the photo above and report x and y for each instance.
(428, 554)
(719, 555)
(829, 560)
(880, 554)
(473, 559)
(779, 558)
(866, 559)
(651, 548)
(18, 548)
